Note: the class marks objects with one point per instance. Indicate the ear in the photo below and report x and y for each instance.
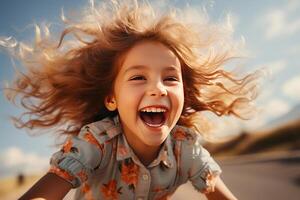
(110, 103)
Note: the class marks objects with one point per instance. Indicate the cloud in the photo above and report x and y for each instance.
(291, 88)
(273, 68)
(226, 126)
(294, 50)
(254, 124)
(266, 112)
(275, 108)
(280, 21)
(14, 160)
(229, 126)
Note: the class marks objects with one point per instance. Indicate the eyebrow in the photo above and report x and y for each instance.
(137, 67)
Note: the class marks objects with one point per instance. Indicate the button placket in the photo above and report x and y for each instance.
(145, 177)
(143, 187)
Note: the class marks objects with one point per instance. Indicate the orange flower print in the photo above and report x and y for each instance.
(91, 139)
(158, 189)
(86, 189)
(122, 150)
(82, 175)
(110, 190)
(130, 173)
(210, 180)
(179, 135)
(67, 146)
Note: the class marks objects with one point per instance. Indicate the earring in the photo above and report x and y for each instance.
(110, 104)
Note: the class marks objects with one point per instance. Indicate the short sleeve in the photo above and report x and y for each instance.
(78, 158)
(203, 170)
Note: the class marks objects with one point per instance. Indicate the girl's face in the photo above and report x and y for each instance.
(149, 94)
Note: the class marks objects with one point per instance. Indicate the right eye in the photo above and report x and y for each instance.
(137, 78)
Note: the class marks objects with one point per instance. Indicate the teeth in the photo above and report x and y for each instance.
(152, 109)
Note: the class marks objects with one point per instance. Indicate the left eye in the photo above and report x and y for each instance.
(171, 78)
(137, 78)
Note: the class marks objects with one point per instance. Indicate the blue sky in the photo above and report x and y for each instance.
(270, 30)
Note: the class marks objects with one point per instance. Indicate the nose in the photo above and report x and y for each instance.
(157, 89)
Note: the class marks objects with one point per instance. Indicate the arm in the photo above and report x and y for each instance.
(49, 187)
(221, 192)
(72, 165)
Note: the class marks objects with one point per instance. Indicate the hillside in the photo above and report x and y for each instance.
(283, 138)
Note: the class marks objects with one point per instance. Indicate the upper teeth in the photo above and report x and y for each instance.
(153, 110)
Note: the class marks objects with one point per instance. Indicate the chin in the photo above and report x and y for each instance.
(156, 142)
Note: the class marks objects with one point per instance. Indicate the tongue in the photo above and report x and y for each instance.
(152, 118)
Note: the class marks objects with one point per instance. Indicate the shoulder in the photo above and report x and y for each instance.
(195, 162)
(94, 143)
(90, 150)
(188, 144)
(100, 132)
(185, 135)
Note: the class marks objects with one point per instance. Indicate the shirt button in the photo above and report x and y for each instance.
(145, 177)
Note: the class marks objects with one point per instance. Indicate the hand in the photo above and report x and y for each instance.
(221, 192)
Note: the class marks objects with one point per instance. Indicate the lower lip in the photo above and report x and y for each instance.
(154, 126)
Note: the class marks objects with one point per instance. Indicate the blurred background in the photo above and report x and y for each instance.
(257, 156)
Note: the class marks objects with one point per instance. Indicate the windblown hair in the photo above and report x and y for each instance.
(65, 81)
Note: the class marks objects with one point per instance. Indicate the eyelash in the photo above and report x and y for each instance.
(138, 78)
(171, 78)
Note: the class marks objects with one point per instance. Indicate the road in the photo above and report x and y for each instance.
(248, 177)
(264, 178)
(257, 178)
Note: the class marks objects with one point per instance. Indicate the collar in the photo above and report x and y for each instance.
(106, 129)
(166, 155)
(109, 128)
(123, 149)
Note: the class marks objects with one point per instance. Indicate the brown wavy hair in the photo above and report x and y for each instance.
(64, 83)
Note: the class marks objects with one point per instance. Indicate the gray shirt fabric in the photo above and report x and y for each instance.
(101, 164)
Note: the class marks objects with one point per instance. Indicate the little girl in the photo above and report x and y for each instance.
(127, 87)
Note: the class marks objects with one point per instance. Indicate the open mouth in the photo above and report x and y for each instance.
(153, 116)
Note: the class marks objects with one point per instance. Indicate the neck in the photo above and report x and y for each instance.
(147, 155)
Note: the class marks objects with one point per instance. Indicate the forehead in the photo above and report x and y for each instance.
(150, 54)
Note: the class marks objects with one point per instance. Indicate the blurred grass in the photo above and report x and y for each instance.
(9, 185)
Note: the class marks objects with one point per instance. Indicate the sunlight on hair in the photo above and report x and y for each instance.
(65, 82)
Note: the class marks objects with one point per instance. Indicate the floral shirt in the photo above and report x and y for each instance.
(101, 164)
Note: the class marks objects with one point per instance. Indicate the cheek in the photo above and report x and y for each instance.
(180, 92)
(177, 96)
(127, 96)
